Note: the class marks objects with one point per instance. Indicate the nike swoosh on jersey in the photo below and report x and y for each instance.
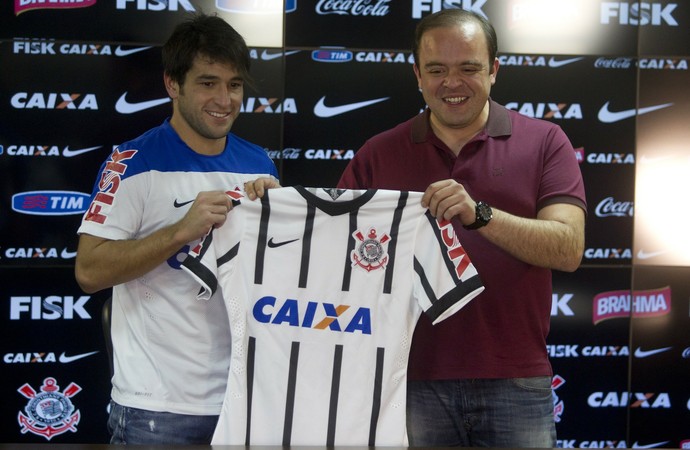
(66, 254)
(646, 255)
(607, 116)
(67, 153)
(124, 107)
(274, 244)
(555, 63)
(265, 56)
(639, 353)
(177, 204)
(68, 359)
(119, 51)
(321, 110)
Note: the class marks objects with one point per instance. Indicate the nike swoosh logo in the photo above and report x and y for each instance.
(607, 116)
(124, 107)
(68, 359)
(646, 255)
(67, 153)
(65, 254)
(321, 110)
(555, 63)
(119, 51)
(265, 56)
(177, 204)
(655, 159)
(639, 353)
(657, 444)
(273, 244)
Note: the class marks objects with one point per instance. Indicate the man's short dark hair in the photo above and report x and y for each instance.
(453, 17)
(207, 36)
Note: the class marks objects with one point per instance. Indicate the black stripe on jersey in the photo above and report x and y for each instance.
(208, 278)
(290, 400)
(230, 254)
(376, 403)
(395, 228)
(444, 249)
(261, 240)
(347, 270)
(335, 391)
(251, 355)
(306, 245)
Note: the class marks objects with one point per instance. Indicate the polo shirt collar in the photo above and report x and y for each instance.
(498, 124)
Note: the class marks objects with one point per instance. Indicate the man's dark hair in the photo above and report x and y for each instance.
(451, 18)
(207, 36)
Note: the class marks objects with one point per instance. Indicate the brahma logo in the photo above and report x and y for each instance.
(49, 412)
(547, 110)
(21, 6)
(315, 315)
(49, 203)
(637, 304)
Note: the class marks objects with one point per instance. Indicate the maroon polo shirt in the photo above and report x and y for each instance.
(517, 164)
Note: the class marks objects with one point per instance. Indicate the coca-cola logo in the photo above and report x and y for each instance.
(353, 7)
(613, 63)
(609, 207)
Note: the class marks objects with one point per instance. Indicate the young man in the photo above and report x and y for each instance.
(155, 196)
(514, 192)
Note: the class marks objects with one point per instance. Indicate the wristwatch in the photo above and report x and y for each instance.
(484, 215)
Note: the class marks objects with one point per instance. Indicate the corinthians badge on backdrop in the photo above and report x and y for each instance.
(49, 412)
(369, 253)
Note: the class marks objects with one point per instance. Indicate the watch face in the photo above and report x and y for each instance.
(484, 212)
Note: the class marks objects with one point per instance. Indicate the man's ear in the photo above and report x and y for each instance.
(171, 86)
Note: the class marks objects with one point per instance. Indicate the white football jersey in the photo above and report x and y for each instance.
(323, 289)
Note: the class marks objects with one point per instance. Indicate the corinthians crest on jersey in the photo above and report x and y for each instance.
(370, 253)
(49, 412)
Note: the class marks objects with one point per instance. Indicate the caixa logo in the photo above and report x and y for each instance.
(50, 203)
(319, 316)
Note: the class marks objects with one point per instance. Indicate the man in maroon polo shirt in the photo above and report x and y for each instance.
(513, 189)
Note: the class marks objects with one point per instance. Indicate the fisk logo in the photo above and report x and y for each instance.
(39, 100)
(109, 183)
(432, 6)
(50, 203)
(52, 307)
(638, 13)
(315, 315)
(455, 251)
(156, 5)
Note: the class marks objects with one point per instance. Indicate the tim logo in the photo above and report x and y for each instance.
(50, 203)
(333, 56)
(49, 412)
(319, 316)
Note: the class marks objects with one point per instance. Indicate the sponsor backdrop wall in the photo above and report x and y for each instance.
(79, 77)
